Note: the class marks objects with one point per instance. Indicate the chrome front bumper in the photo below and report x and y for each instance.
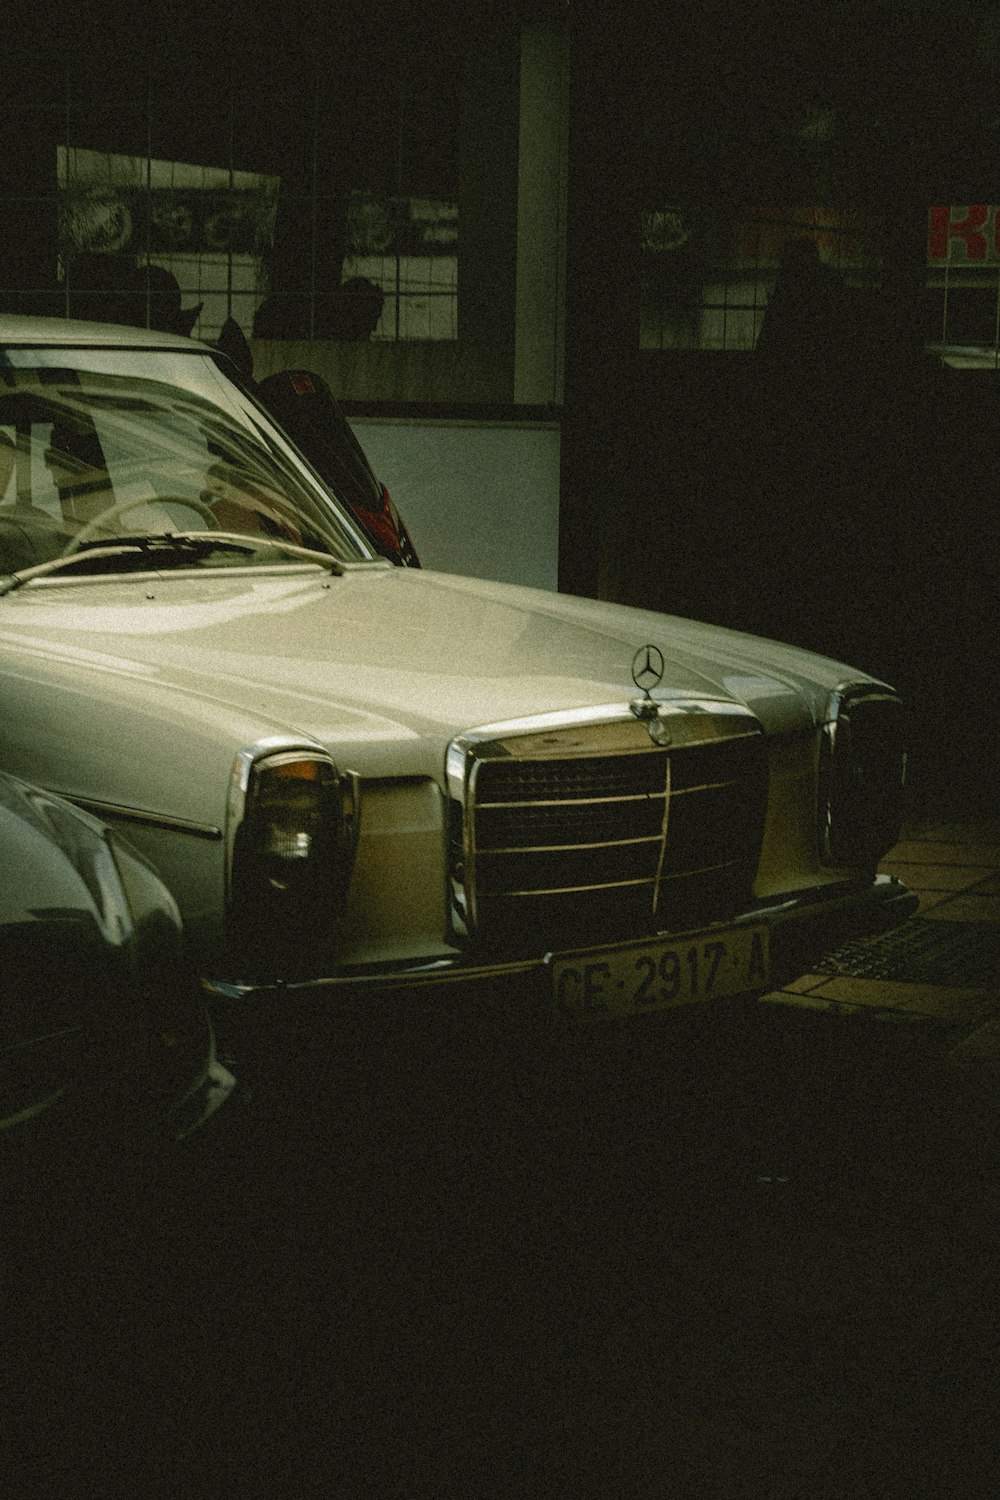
(803, 926)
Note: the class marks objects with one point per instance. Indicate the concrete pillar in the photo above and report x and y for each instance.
(487, 210)
(541, 216)
(600, 489)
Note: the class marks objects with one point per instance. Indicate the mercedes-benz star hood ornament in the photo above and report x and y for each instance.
(647, 668)
(647, 673)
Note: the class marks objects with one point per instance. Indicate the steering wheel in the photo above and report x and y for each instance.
(91, 527)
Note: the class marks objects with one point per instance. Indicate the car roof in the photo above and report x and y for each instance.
(75, 333)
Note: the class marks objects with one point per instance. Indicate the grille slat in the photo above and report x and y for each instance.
(619, 884)
(574, 801)
(553, 826)
(568, 850)
(563, 890)
(564, 848)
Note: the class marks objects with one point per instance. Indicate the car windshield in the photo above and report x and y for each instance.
(99, 446)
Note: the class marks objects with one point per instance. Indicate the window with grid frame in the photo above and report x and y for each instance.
(212, 229)
(707, 272)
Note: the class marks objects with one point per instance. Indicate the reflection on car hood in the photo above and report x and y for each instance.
(383, 660)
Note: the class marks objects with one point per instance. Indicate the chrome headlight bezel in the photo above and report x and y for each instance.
(292, 825)
(862, 775)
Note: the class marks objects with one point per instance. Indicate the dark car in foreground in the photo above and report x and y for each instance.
(104, 1040)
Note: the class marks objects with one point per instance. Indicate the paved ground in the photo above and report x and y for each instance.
(762, 1264)
(954, 866)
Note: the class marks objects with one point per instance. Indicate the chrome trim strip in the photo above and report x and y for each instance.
(468, 881)
(583, 718)
(613, 885)
(576, 890)
(144, 816)
(571, 801)
(680, 791)
(650, 838)
(658, 880)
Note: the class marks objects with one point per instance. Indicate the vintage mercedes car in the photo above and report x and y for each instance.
(354, 774)
(104, 1037)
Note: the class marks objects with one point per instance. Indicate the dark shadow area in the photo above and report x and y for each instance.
(724, 1259)
(861, 527)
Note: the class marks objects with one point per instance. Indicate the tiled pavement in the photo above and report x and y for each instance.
(954, 866)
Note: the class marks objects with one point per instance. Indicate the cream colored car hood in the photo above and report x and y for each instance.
(383, 666)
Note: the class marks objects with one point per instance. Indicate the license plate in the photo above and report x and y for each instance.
(656, 976)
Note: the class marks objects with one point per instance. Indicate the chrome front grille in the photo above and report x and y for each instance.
(567, 834)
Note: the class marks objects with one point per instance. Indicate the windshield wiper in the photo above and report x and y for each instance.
(182, 544)
(336, 565)
(153, 547)
(253, 543)
(25, 575)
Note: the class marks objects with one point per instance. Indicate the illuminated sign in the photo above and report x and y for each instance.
(964, 235)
